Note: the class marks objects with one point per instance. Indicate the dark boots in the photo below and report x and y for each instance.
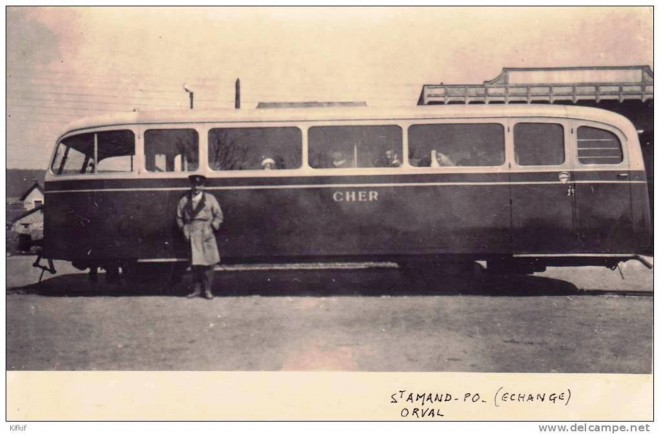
(202, 279)
(196, 291)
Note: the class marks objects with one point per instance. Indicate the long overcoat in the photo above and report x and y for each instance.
(198, 226)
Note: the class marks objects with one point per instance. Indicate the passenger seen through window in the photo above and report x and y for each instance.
(438, 145)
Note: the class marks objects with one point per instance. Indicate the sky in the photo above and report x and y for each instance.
(65, 63)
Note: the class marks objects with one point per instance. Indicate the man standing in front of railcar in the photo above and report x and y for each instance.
(199, 216)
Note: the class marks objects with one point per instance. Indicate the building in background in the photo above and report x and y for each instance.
(25, 220)
(29, 230)
(33, 197)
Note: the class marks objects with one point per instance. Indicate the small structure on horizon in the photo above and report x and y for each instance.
(310, 104)
(549, 85)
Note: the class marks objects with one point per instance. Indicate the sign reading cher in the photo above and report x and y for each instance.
(355, 196)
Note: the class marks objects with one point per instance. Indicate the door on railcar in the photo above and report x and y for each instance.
(542, 188)
(604, 221)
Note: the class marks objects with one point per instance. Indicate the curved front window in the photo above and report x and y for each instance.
(95, 153)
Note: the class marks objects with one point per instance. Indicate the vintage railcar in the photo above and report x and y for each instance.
(521, 187)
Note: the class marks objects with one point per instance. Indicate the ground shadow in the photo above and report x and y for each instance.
(374, 282)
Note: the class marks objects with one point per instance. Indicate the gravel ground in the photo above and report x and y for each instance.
(563, 320)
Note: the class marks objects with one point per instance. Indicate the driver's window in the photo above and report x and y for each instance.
(95, 153)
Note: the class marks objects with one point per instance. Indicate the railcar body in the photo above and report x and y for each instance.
(530, 185)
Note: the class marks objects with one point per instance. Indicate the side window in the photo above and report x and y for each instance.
(101, 152)
(539, 144)
(355, 146)
(596, 146)
(255, 148)
(435, 145)
(171, 150)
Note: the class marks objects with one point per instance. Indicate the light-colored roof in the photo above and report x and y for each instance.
(347, 114)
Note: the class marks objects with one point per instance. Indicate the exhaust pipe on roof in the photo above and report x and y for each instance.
(191, 94)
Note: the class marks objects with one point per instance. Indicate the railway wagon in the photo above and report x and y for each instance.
(520, 187)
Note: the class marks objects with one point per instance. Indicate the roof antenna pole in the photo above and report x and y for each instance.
(237, 99)
(191, 94)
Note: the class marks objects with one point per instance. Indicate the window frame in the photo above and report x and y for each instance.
(508, 123)
(252, 172)
(569, 144)
(624, 163)
(356, 124)
(99, 175)
(480, 121)
(170, 126)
